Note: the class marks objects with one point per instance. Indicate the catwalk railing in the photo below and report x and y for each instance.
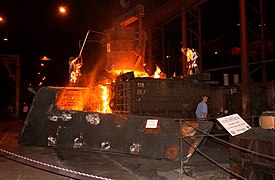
(252, 121)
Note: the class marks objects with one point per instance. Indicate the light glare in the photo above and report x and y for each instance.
(62, 9)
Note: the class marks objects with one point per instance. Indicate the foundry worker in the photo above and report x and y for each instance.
(202, 108)
(191, 56)
(74, 69)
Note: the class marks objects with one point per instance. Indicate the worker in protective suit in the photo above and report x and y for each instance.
(191, 56)
(74, 70)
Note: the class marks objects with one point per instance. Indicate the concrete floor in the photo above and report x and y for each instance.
(48, 163)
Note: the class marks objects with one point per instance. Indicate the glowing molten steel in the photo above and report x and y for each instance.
(136, 73)
(71, 98)
(93, 99)
(157, 73)
(105, 100)
(96, 98)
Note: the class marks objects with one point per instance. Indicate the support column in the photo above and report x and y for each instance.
(163, 48)
(244, 58)
(199, 40)
(263, 40)
(149, 63)
(17, 88)
(183, 35)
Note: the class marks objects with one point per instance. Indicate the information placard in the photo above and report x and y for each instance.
(151, 123)
(234, 124)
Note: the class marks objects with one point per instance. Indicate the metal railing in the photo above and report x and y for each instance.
(252, 121)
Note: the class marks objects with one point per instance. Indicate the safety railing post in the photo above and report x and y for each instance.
(181, 159)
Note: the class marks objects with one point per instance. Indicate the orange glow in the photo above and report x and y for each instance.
(45, 58)
(73, 77)
(62, 9)
(72, 98)
(93, 99)
(136, 73)
(2, 20)
(157, 72)
(105, 100)
(97, 97)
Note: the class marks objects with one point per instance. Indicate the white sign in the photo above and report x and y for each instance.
(151, 123)
(234, 124)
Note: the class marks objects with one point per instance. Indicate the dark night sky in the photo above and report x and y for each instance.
(35, 29)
